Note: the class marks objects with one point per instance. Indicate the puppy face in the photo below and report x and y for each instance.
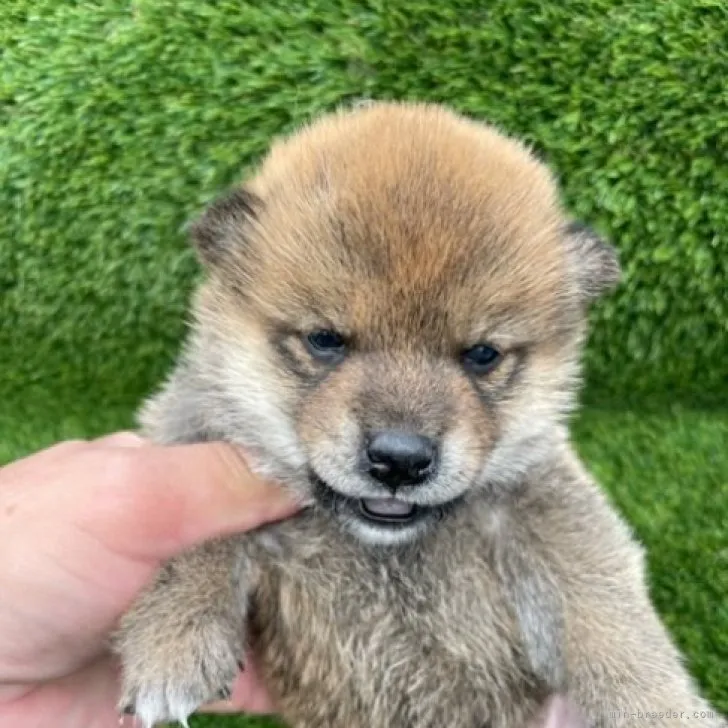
(394, 311)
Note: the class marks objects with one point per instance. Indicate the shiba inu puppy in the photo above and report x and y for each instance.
(391, 325)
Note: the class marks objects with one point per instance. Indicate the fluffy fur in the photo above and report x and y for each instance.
(416, 234)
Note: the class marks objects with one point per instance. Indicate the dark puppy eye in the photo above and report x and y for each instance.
(481, 359)
(326, 345)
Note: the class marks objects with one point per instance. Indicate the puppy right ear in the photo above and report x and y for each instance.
(595, 260)
(224, 224)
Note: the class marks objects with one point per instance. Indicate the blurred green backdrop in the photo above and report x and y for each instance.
(120, 120)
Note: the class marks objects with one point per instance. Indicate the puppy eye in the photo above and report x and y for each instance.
(326, 345)
(481, 358)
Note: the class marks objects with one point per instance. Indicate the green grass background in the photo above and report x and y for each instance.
(120, 120)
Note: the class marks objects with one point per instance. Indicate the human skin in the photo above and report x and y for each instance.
(83, 528)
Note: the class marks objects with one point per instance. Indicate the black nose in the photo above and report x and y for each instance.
(399, 458)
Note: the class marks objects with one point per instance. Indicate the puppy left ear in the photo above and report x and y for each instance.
(594, 259)
(224, 225)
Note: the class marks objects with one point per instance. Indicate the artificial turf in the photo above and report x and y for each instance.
(119, 120)
(666, 469)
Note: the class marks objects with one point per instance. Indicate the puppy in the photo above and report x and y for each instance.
(391, 325)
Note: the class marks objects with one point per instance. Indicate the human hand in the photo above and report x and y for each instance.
(83, 528)
(559, 712)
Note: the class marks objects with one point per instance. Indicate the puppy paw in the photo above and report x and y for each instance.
(170, 670)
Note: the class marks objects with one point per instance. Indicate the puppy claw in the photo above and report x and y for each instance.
(161, 690)
(163, 683)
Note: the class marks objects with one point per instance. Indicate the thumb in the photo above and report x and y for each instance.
(560, 712)
(160, 500)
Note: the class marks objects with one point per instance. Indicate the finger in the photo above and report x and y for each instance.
(249, 695)
(66, 449)
(50, 454)
(152, 502)
(90, 696)
(86, 698)
(560, 712)
(121, 439)
(208, 490)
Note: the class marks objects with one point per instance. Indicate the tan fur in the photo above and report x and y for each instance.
(416, 233)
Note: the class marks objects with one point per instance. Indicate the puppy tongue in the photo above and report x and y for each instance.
(387, 507)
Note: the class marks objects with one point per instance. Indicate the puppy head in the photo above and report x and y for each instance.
(394, 309)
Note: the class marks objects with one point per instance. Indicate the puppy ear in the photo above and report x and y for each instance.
(224, 224)
(595, 261)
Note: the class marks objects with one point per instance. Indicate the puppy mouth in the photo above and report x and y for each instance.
(387, 510)
(386, 513)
